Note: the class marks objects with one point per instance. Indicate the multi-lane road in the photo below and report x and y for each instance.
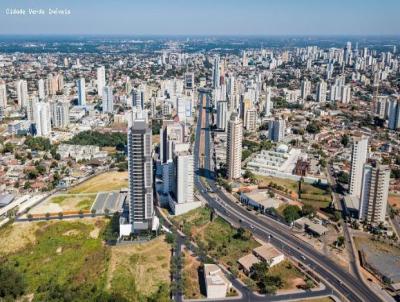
(339, 281)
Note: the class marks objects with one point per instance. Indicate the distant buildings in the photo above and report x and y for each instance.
(234, 147)
(276, 129)
(81, 92)
(358, 159)
(3, 94)
(268, 103)
(216, 73)
(305, 89)
(374, 193)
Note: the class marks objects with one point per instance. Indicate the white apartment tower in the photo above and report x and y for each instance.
(374, 193)
(41, 118)
(305, 89)
(21, 86)
(358, 159)
(268, 103)
(81, 92)
(101, 80)
(3, 94)
(222, 114)
(234, 147)
(108, 99)
(321, 91)
(60, 114)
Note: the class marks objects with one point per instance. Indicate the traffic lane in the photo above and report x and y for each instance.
(243, 221)
(320, 269)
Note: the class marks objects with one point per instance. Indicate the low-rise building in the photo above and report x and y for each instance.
(260, 200)
(269, 254)
(217, 285)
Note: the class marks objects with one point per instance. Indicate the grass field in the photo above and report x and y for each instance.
(108, 181)
(217, 236)
(191, 277)
(314, 195)
(64, 253)
(74, 201)
(140, 270)
(291, 276)
(71, 254)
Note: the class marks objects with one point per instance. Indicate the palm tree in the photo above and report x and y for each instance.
(93, 211)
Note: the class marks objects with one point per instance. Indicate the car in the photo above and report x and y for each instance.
(303, 257)
(251, 226)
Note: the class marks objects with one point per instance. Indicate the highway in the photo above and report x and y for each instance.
(340, 282)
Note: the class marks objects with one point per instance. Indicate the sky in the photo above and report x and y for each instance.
(204, 17)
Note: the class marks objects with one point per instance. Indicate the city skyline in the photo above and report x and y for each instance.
(223, 18)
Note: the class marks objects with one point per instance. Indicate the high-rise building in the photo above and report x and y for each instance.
(171, 133)
(189, 80)
(216, 76)
(222, 114)
(276, 129)
(358, 159)
(374, 193)
(41, 89)
(60, 114)
(234, 147)
(81, 92)
(251, 120)
(345, 94)
(108, 99)
(21, 87)
(3, 94)
(268, 103)
(394, 114)
(305, 89)
(42, 118)
(184, 176)
(321, 91)
(101, 79)
(140, 172)
(137, 98)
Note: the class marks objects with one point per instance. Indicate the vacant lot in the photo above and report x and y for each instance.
(138, 271)
(191, 277)
(291, 276)
(71, 255)
(64, 202)
(315, 195)
(108, 181)
(63, 253)
(394, 200)
(217, 237)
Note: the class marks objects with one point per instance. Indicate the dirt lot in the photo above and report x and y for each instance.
(191, 277)
(64, 202)
(394, 200)
(141, 266)
(108, 181)
(17, 236)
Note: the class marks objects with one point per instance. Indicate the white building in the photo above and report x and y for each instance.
(60, 114)
(81, 92)
(217, 285)
(305, 89)
(321, 91)
(268, 103)
(108, 99)
(42, 118)
(234, 147)
(374, 193)
(41, 90)
(222, 114)
(358, 159)
(101, 80)
(3, 94)
(21, 86)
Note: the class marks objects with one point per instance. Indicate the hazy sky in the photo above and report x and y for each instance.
(219, 17)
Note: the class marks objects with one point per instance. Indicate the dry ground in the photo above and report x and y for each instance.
(108, 181)
(191, 277)
(139, 267)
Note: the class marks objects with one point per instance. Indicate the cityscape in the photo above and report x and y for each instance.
(171, 163)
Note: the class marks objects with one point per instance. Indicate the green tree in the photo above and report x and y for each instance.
(12, 284)
(308, 210)
(291, 213)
